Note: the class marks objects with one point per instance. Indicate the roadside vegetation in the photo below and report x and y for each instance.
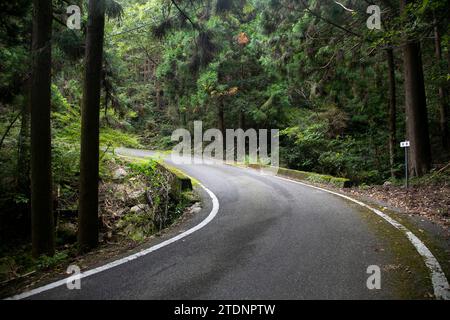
(137, 202)
(342, 95)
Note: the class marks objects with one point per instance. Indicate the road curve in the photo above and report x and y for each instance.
(271, 239)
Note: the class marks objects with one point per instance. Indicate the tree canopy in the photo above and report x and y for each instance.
(343, 94)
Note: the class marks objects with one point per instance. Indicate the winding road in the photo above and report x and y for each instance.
(270, 239)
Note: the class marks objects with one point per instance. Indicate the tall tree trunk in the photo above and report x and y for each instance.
(416, 110)
(416, 107)
(89, 161)
(443, 94)
(43, 236)
(392, 109)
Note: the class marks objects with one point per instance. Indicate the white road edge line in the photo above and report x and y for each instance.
(440, 284)
(208, 219)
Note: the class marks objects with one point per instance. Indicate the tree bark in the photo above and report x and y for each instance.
(392, 109)
(415, 105)
(443, 94)
(416, 110)
(89, 161)
(43, 237)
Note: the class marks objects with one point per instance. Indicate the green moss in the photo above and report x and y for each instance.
(137, 226)
(407, 274)
(434, 244)
(177, 172)
(315, 177)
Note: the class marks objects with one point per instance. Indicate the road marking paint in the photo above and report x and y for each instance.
(440, 284)
(208, 219)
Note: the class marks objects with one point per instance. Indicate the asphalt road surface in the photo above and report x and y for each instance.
(271, 239)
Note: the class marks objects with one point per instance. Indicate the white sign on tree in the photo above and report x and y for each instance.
(404, 144)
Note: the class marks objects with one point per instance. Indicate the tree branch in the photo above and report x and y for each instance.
(344, 7)
(9, 128)
(329, 21)
(194, 25)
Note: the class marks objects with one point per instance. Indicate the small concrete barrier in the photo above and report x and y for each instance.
(179, 181)
(309, 176)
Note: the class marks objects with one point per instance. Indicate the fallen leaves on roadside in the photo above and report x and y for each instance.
(431, 201)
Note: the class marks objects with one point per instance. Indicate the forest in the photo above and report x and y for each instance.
(342, 92)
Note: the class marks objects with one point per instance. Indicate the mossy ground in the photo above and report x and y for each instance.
(437, 246)
(407, 274)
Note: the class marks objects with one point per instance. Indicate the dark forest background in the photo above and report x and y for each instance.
(342, 95)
